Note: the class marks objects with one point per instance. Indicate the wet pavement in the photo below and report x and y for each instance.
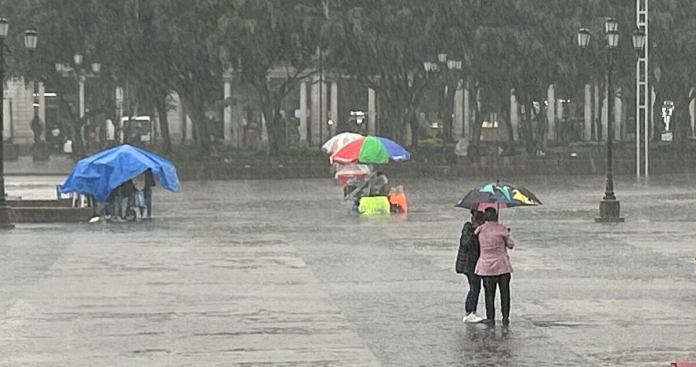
(278, 273)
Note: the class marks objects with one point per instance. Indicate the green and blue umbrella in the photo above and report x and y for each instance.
(498, 195)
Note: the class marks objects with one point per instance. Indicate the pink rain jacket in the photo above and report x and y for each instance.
(495, 240)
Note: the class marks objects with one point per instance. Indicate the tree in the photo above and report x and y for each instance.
(186, 30)
(259, 37)
(145, 65)
(673, 71)
(66, 28)
(383, 45)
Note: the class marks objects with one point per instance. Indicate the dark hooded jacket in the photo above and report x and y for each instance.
(469, 250)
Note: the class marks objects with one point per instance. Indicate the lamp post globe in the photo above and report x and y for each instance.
(4, 25)
(611, 25)
(31, 38)
(638, 39)
(583, 38)
(612, 39)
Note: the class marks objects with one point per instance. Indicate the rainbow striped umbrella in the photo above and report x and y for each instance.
(371, 150)
(339, 141)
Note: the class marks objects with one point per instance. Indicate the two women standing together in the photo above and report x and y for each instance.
(483, 258)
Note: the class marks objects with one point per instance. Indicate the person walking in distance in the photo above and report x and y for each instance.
(147, 191)
(466, 263)
(493, 265)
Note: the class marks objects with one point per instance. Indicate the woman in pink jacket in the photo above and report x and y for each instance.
(494, 265)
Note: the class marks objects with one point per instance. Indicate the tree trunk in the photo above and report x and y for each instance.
(164, 124)
(658, 125)
(506, 115)
(415, 128)
(78, 145)
(680, 119)
(200, 125)
(477, 120)
(448, 107)
(526, 133)
(271, 114)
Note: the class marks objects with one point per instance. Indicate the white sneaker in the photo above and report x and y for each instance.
(473, 318)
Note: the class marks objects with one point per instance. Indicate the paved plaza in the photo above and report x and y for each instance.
(277, 273)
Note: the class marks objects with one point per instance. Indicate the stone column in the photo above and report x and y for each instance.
(692, 116)
(42, 109)
(587, 128)
(227, 117)
(82, 97)
(238, 123)
(651, 117)
(618, 115)
(605, 115)
(186, 124)
(371, 111)
(458, 122)
(596, 111)
(514, 115)
(264, 131)
(466, 128)
(303, 112)
(334, 107)
(551, 112)
(8, 134)
(559, 116)
(315, 119)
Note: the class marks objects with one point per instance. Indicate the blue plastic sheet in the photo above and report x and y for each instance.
(99, 174)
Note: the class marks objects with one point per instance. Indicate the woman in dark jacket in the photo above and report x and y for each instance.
(466, 263)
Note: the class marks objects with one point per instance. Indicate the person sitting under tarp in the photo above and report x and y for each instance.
(119, 201)
(379, 184)
(369, 196)
(376, 202)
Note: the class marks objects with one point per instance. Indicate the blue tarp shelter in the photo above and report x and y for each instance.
(99, 174)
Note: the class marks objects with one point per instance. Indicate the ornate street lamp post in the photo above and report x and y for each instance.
(5, 210)
(449, 68)
(30, 39)
(39, 149)
(609, 206)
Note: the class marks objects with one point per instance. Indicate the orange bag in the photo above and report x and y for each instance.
(397, 197)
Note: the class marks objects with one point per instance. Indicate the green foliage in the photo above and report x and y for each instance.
(257, 38)
(154, 47)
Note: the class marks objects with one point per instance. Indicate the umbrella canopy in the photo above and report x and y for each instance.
(352, 169)
(99, 174)
(371, 149)
(339, 141)
(498, 195)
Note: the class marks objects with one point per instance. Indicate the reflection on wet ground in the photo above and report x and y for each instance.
(278, 273)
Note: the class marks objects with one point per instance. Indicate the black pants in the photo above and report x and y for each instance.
(473, 295)
(489, 284)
